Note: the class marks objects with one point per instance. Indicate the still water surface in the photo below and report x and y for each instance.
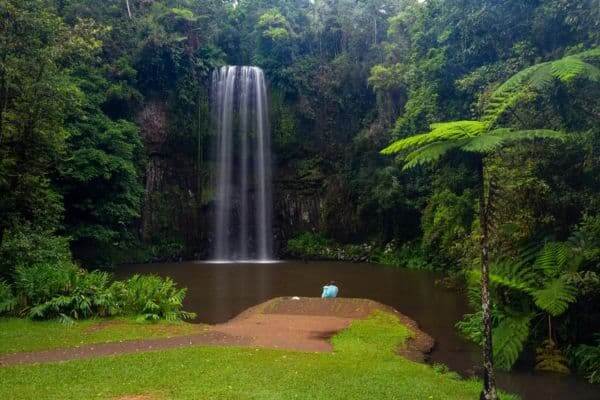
(218, 292)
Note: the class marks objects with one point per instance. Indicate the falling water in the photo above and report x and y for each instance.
(243, 221)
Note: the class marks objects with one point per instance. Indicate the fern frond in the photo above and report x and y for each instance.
(513, 275)
(440, 132)
(483, 144)
(568, 68)
(509, 338)
(553, 258)
(509, 136)
(539, 78)
(509, 94)
(428, 154)
(590, 56)
(555, 296)
(516, 82)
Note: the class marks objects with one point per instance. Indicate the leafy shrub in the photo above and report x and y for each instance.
(67, 292)
(167, 250)
(7, 299)
(41, 282)
(408, 256)
(64, 291)
(151, 298)
(308, 244)
(471, 327)
(585, 239)
(586, 359)
(89, 296)
(26, 247)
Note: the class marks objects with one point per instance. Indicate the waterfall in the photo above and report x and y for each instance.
(243, 200)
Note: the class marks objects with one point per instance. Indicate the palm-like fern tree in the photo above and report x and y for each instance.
(470, 137)
(485, 137)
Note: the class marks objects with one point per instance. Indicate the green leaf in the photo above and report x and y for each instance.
(555, 296)
(509, 338)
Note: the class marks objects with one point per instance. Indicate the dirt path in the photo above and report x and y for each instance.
(304, 324)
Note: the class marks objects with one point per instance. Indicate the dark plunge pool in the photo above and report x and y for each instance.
(218, 292)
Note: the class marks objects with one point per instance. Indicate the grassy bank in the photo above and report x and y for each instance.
(18, 335)
(363, 366)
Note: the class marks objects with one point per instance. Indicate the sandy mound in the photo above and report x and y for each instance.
(307, 324)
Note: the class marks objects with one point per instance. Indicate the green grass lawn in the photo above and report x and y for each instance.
(363, 366)
(25, 335)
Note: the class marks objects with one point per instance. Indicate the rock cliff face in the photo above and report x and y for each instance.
(153, 123)
(296, 209)
(172, 211)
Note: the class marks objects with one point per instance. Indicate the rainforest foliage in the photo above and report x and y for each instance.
(105, 147)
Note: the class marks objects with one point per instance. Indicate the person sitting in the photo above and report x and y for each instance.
(330, 291)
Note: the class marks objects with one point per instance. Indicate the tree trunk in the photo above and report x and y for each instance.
(489, 380)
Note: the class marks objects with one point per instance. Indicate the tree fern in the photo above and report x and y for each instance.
(540, 273)
(480, 137)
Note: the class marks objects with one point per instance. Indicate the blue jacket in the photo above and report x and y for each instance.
(329, 291)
